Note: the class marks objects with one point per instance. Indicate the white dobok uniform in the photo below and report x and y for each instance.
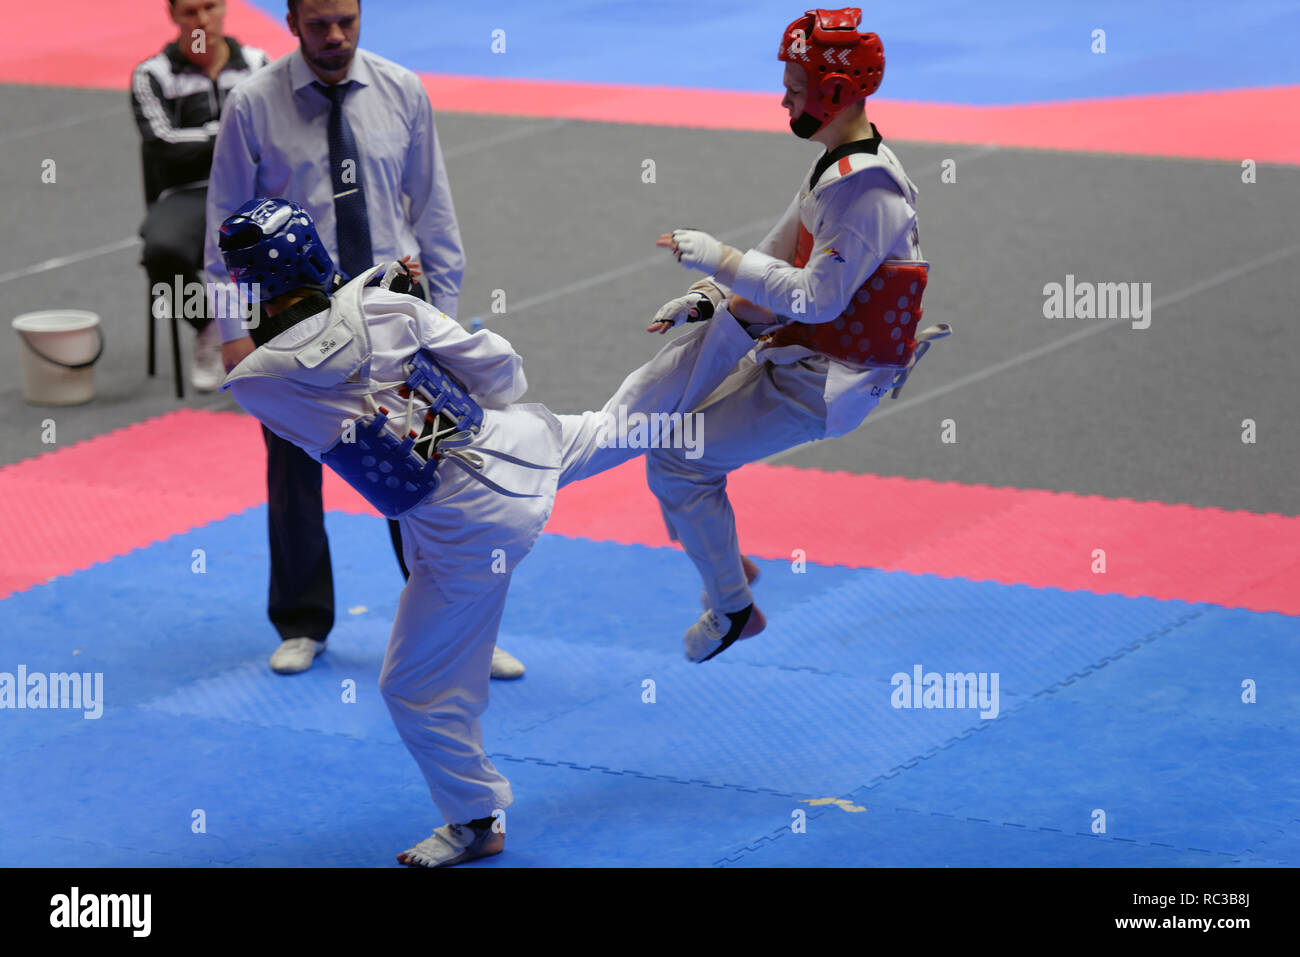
(833, 236)
(463, 542)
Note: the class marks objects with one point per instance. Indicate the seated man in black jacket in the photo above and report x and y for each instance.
(177, 95)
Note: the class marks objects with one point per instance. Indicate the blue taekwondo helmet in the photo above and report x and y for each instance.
(274, 243)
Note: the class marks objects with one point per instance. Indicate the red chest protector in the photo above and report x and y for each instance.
(878, 327)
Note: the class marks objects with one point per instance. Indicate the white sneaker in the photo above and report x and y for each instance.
(505, 665)
(295, 655)
(715, 632)
(206, 370)
(453, 844)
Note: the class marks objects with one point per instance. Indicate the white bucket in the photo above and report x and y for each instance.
(60, 348)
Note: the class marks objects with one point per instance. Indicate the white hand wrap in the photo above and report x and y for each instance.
(697, 250)
(676, 311)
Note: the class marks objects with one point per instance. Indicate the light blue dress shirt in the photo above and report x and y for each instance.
(274, 142)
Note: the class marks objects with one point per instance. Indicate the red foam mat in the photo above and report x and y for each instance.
(1012, 536)
(86, 503)
(89, 502)
(1142, 125)
(95, 46)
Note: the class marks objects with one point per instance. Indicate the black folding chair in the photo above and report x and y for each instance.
(151, 192)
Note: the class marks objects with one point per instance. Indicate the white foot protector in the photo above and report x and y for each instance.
(715, 632)
(453, 844)
(506, 666)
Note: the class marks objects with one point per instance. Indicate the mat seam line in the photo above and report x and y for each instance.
(1050, 689)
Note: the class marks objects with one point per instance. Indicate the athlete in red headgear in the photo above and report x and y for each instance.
(833, 294)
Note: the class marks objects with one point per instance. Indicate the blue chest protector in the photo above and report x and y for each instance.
(395, 475)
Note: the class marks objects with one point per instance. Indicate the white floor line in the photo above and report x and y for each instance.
(731, 233)
(63, 124)
(1218, 279)
(60, 261)
(505, 136)
(130, 241)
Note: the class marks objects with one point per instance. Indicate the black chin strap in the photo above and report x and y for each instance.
(805, 125)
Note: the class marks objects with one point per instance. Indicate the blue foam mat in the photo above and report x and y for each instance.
(1004, 51)
(1131, 705)
(884, 836)
(1159, 740)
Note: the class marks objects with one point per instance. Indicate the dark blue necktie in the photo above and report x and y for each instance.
(349, 193)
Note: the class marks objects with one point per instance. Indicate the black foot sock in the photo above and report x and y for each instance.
(739, 619)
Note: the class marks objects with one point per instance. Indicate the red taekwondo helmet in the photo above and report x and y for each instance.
(843, 66)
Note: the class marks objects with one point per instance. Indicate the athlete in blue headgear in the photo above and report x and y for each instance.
(423, 419)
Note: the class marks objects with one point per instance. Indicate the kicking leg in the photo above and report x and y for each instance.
(680, 376)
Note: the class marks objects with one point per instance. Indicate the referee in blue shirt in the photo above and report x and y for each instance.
(350, 136)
